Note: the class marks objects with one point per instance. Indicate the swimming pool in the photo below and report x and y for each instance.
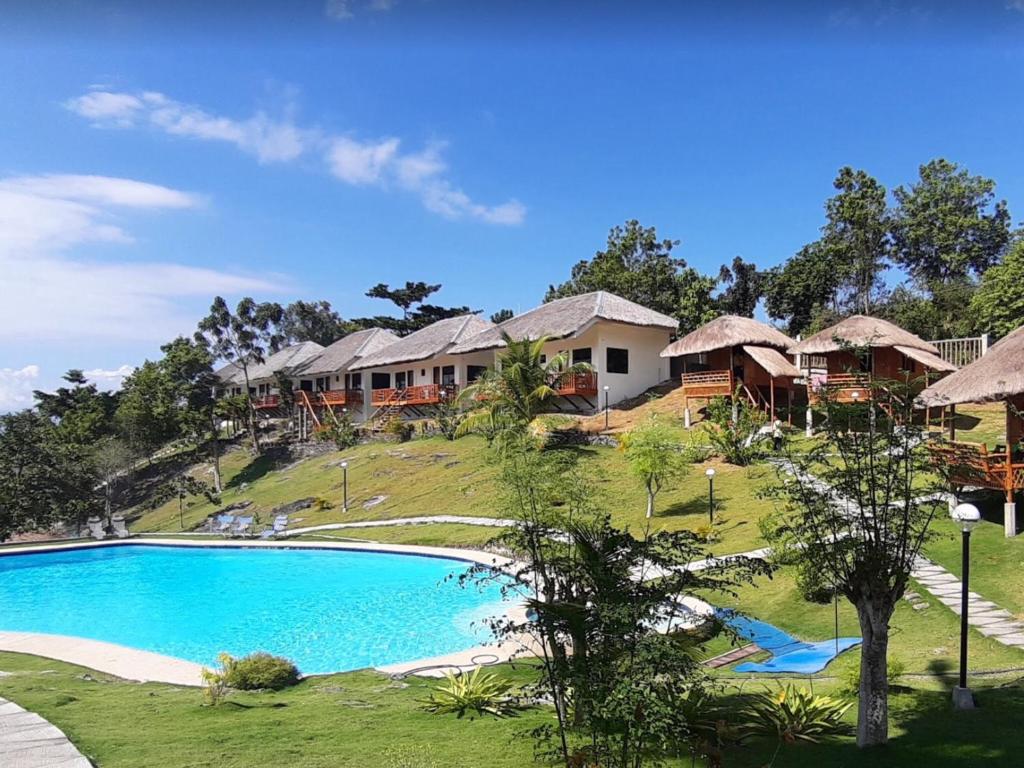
(326, 610)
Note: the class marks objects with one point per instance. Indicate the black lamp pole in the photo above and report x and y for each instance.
(965, 564)
(344, 484)
(606, 408)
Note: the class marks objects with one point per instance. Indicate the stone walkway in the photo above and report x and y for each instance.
(984, 615)
(29, 741)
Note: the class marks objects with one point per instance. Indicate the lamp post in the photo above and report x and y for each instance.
(606, 407)
(344, 485)
(967, 516)
(711, 494)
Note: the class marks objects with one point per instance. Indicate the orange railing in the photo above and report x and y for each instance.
(335, 396)
(708, 384)
(266, 401)
(971, 464)
(583, 383)
(422, 394)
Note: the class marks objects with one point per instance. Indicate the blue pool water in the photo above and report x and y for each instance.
(788, 654)
(327, 610)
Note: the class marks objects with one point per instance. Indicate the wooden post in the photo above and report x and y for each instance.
(1013, 436)
(771, 388)
(952, 423)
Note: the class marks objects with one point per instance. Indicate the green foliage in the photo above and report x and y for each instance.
(313, 321)
(796, 714)
(399, 429)
(501, 316)
(31, 493)
(638, 266)
(258, 672)
(481, 692)
(850, 681)
(338, 429)
(744, 288)
(407, 758)
(413, 293)
(448, 416)
(804, 291)
(998, 306)
(734, 439)
(215, 685)
(655, 456)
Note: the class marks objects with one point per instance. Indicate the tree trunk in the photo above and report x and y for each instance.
(650, 503)
(250, 413)
(215, 453)
(873, 699)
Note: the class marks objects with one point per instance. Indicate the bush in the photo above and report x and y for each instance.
(259, 671)
(796, 714)
(481, 692)
(399, 429)
(736, 441)
(340, 431)
(850, 682)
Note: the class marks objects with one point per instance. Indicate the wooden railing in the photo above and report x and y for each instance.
(971, 464)
(708, 384)
(266, 401)
(841, 387)
(333, 396)
(422, 394)
(584, 383)
(961, 352)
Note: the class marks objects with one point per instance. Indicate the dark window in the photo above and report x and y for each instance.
(543, 359)
(306, 385)
(380, 380)
(357, 381)
(437, 375)
(423, 372)
(400, 380)
(448, 375)
(618, 360)
(474, 372)
(581, 355)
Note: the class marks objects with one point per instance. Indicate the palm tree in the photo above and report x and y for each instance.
(506, 400)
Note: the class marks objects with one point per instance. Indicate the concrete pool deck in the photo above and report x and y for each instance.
(145, 666)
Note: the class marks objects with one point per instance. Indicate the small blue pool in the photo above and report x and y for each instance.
(788, 654)
(327, 610)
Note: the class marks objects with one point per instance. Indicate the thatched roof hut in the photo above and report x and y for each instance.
(341, 355)
(566, 317)
(425, 343)
(860, 331)
(728, 331)
(284, 361)
(996, 376)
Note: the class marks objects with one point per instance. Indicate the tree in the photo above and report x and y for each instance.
(81, 412)
(998, 306)
(147, 412)
(507, 400)
(313, 321)
(856, 235)
(638, 266)
(655, 456)
(113, 462)
(181, 487)
(406, 298)
(28, 494)
(243, 337)
(501, 316)
(804, 291)
(855, 512)
(744, 288)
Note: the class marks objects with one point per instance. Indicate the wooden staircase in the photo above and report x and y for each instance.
(303, 400)
(390, 409)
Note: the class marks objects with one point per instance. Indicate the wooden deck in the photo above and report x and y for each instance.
(266, 402)
(423, 394)
(971, 464)
(575, 384)
(332, 397)
(707, 384)
(841, 387)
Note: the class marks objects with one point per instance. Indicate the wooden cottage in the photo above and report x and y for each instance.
(733, 355)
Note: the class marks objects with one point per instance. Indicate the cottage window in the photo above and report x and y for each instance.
(474, 372)
(448, 376)
(380, 380)
(581, 355)
(617, 360)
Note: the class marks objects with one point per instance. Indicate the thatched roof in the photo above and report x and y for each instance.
(997, 375)
(773, 361)
(340, 355)
(728, 331)
(926, 359)
(428, 342)
(860, 331)
(284, 360)
(566, 317)
(227, 372)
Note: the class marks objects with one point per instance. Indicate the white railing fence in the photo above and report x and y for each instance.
(961, 352)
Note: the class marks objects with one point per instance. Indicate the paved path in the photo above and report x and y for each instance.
(984, 615)
(490, 522)
(29, 741)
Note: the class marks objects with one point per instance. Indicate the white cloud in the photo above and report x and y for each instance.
(360, 162)
(338, 10)
(109, 379)
(16, 385)
(49, 294)
(387, 5)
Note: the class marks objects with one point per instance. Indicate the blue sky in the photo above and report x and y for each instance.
(151, 157)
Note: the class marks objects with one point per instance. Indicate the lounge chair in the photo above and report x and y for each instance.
(95, 526)
(222, 523)
(120, 529)
(242, 526)
(280, 525)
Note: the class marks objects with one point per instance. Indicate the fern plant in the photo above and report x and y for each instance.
(479, 692)
(794, 714)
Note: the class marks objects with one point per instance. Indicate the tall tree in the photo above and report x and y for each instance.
(313, 321)
(947, 230)
(81, 412)
(744, 287)
(998, 306)
(244, 337)
(415, 313)
(804, 291)
(28, 495)
(501, 316)
(639, 266)
(856, 235)
(147, 413)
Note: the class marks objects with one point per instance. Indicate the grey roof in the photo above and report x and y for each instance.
(996, 375)
(425, 343)
(564, 317)
(228, 371)
(728, 331)
(284, 360)
(860, 331)
(340, 355)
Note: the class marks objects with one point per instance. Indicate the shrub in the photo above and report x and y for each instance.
(795, 714)
(480, 692)
(320, 504)
(399, 429)
(215, 686)
(850, 682)
(340, 431)
(735, 440)
(259, 671)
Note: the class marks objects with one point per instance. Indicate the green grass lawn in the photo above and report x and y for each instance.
(429, 535)
(434, 476)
